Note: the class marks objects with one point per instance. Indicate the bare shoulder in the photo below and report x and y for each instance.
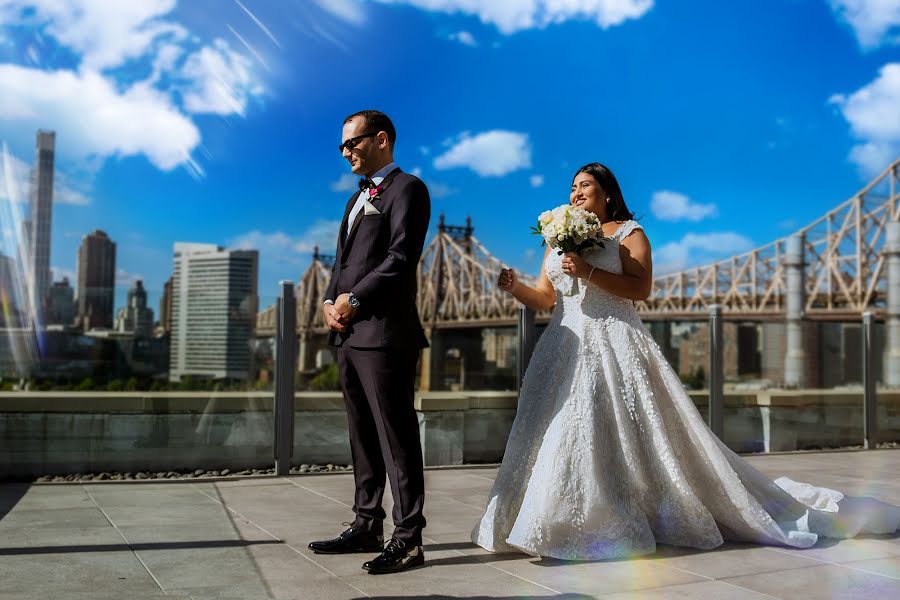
(635, 238)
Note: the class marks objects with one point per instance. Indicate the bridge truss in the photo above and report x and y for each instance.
(844, 267)
(844, 274)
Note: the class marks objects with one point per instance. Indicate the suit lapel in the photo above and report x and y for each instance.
(342, 239)
(389, 178)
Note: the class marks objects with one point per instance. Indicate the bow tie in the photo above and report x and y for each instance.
(365, 183)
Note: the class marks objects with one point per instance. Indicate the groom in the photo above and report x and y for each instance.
(370, 308)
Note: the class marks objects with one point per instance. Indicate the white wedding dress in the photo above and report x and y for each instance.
(608, 455)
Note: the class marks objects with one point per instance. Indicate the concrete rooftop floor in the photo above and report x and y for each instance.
(247, 539)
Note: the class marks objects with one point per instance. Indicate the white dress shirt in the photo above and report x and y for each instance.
(377, 178)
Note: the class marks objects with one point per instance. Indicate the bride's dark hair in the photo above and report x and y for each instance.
(617, 210)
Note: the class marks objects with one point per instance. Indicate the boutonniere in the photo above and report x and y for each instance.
(375, 193)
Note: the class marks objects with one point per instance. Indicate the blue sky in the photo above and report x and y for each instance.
(728, 124)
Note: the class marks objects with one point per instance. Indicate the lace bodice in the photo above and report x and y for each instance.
(578, 296)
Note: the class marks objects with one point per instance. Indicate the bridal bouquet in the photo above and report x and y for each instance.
(569, 228)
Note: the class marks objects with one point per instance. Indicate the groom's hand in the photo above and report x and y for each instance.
(332, 318)
(343, 309)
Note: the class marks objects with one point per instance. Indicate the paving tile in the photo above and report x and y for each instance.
(26, 539)
(447, 574)
(251, 482)
(601, 577)
(43, 498)
(108, 497)
(201, 567)
(162, 515)
(232, 528)
(317, 589)
(728, 560)
(889, 567)
(92, 595)
(206, 541)
(265, 571)
(841, 551)
(56, 518)
(703, 590)
(834, 582)
(55, 575)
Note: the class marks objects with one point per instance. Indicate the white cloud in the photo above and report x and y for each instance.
(95, 112)
(60, 273)
(667, 205)
(349, 11)
(529, 255)
(20, 171)
(509, 16)
(105, 33)
(126, 279)
(875, 22)
(281, 247)
(347, 182)
(536, 181)
(140, 120)
(698, 248)
(874, 117)
(436, 189)
(465, 38)
(220, 81)
(490, 154)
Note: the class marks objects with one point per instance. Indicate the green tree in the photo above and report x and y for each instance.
(327, 380)
(87, 384)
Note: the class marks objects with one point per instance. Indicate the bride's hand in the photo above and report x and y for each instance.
(507, 280)
(575, 266)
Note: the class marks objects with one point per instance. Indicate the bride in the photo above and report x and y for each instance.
(608, 455)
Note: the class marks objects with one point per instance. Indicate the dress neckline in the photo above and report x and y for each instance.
(615, 234)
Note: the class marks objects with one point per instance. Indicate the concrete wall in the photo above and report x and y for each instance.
(58, 433)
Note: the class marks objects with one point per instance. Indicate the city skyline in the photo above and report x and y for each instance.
(728, 126)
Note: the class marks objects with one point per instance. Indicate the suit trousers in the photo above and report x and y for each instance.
(378, 385)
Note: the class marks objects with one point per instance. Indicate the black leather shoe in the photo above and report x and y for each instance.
(396, 557)
(350, 541)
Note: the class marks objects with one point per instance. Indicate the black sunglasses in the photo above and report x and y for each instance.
(352, 142)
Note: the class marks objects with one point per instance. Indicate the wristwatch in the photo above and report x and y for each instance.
(352, 300)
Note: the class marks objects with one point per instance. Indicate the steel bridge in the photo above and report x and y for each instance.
(841, 265)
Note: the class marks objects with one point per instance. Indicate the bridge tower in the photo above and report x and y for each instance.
(310, 293)
(795, 356)
(461, 236)
(892, 312)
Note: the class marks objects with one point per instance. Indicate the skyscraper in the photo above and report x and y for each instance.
(42, 214)
(60, 304)
(96, 280)
(9, 309)
(214, 307)
(165, 308)
(135, 317)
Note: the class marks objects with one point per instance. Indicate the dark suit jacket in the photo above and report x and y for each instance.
(378, 263)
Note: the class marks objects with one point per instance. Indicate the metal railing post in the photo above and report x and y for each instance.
(716, 375)
(526, 339)
(870, 425)
(285, 367)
